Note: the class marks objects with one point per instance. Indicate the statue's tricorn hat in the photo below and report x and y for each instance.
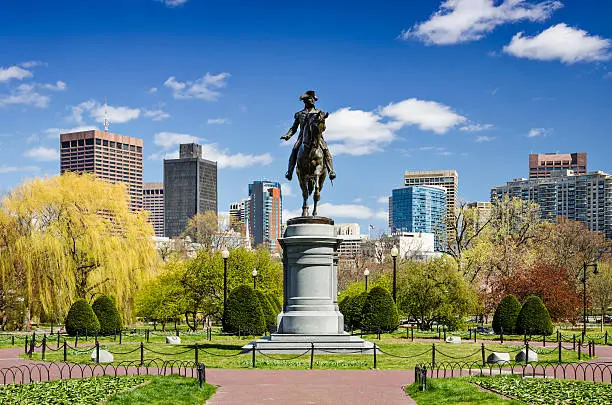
(309, 93)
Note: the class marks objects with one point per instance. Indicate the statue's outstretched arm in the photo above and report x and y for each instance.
(293, 129)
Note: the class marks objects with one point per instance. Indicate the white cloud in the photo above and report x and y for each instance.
(173, 3)
(438, 148)
(561, 42)
(476, 127)
(217, 121)
(96, 111)
(445, 153)
(54, 133)
(483, 138)
(156, 115)
(13, 72)
(170, 140)
(383, 200)
(32, 63)
(535, 132)
(286, 190)
(355, 211)
(204, 88)
(470, 20)
(25, 94)
(42, 154)
(58, 86)
(12, 169)
(427, 115)
(152, 90)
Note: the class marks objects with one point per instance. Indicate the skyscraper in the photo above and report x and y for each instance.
(586, 198)
(112, 157)
(190, 188)
(153, 201)
(544, 164)
(448, 179)
(420, 209)
(237, 216)
(264, 215)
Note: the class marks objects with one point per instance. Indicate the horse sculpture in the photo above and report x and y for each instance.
(311, 169)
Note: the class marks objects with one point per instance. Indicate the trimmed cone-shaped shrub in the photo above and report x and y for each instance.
(268, 311)
(107, 314)
(506, 313)
(243, 313)
(276, 304)
(379, 311)
(534, 318)
(343, 306)
(355, 310)
(81, 319)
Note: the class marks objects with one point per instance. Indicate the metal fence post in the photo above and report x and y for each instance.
(593, 349)
(141, 354)
(120, 336)
(97, 351)
(12, 340)
(606, 338)
(579, 350)
(433, 354)
(375, 350)
(311, 354)
(560, 348)
(201, 374)
(147, 333)
(196, 353)
(526, 353)
(58, 339)
(65, 351)
(44, 346)
(482, 350)
(254, 348)
(25, 350)
(544, 340)
(574, 342)
(424, 377)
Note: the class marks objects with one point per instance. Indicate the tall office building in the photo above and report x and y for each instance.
(544, 164)
(586, 198)
(153, 201)
(449, 179)
(112, 157)
(420, 209)
(237, 216)
(351, 240)
(190, 188)
(264, 215)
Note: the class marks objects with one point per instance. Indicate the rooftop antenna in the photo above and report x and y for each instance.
(106, 121)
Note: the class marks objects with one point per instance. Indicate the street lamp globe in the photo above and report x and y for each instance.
(254, 272)
(225, 253)
(366, 272)
(394, 251)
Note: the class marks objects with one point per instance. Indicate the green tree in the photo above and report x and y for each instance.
(244, 314)
(107, 314)
(355, 310)
(203, 228)
(534, 318)
(379, 311)
(162, 299)
(81, 319)
(601, 289)
(434, 291)
(268, 311)
(506, 314)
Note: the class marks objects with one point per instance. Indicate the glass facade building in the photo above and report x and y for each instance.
(419, 209)
(264, 214)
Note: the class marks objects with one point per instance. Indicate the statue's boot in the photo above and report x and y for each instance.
(330, 165)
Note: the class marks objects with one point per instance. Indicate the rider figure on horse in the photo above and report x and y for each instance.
(304, 119)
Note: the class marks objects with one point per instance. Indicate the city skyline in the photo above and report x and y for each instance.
(178, 75)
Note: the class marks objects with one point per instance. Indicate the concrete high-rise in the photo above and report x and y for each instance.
(544, 164)
(449, 179)
(190, 188)
(420, 209)
(264, 215)
(586, 198)
(112, 157)
(153, 201)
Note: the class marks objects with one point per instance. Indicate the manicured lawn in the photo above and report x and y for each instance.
(225, 353)
(447, 391)
(169, 390)
(548, 391)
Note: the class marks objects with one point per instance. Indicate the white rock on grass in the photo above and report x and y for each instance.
(173, 340)
(498, 358)
(105, 356)
(520, 356)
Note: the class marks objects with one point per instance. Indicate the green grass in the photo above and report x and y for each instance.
(455, 391)
(224, 353)
(169, 390)
(548, 391)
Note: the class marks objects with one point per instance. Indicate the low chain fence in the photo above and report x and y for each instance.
(592, 371)
(41, 372)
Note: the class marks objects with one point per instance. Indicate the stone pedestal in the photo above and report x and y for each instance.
(310, 283)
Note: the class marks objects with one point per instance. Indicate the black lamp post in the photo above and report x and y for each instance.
(394, 253)
(225, 253)
(254, 273)
(584, 296)
(366, 273)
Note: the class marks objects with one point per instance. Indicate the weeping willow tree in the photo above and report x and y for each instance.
(73, 236)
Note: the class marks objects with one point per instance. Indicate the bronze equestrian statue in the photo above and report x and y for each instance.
(310, 152)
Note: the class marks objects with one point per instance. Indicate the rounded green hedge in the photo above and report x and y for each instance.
(379, 311)
(355, 310)
(243, 312)
(534, 318)
(268, 311)
(506, 314)
(81, 319)
(107, 314)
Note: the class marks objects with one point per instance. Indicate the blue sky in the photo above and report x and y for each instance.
(471, 85)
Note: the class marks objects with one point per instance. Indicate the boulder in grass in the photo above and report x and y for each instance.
(498, 358)
(173, 340)
(453, 339)
(105, 356)
(532, 356)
